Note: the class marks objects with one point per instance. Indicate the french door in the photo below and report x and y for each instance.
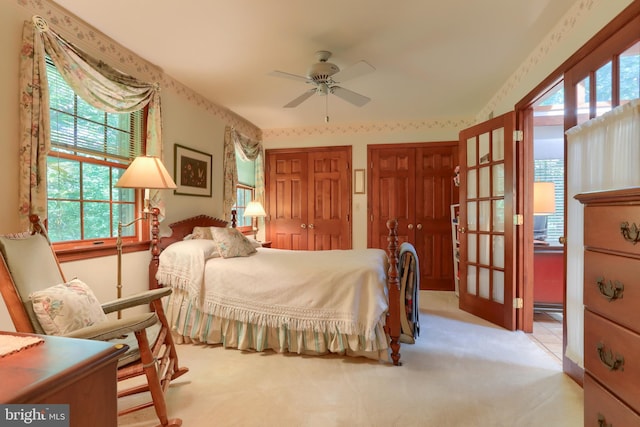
(487, 234)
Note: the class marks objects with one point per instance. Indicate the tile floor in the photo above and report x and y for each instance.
(547, 332)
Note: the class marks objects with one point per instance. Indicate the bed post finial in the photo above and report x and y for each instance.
(393, 316)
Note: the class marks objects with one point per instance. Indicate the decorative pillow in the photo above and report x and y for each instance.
(202, 233)
(64, 308)
(231, 243)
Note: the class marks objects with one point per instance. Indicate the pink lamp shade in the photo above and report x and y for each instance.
(146, 172)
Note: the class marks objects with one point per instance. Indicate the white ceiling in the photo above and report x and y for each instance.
(433, 59)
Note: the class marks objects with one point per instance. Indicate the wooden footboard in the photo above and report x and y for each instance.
(182, 228)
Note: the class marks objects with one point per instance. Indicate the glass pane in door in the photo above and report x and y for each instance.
(485, 214)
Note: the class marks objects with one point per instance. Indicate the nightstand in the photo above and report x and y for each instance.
(266, 244)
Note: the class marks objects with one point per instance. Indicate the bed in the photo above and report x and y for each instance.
(307, 302)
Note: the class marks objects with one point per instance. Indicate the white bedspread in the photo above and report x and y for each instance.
(339, 290)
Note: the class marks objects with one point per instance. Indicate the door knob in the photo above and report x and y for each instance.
(562, 240)
(303, 225)
(462, 230)
(419, 226)
(410, 226)
(311, 226)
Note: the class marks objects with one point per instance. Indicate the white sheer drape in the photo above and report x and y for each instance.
(602, 154)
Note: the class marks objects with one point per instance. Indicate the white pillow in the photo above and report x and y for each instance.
(254, 242)
(191, 247)
(63, 308)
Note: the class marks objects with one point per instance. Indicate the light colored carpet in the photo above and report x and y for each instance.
(462, 371)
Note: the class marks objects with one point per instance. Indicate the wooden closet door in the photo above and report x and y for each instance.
(435, 192)
(329, 220)
(287, 195)
(392, 194)
(309, 198)
(414, 184)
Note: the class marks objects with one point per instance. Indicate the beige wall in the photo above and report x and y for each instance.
(195, 122)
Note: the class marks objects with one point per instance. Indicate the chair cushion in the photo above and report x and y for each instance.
(231, 242)
(63, 308)
(33, 267)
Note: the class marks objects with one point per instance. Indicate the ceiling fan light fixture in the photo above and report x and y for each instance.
(321, 76)
(321, 72)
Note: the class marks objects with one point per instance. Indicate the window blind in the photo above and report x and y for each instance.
(81, 129)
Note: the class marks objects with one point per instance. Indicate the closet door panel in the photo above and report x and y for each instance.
(329, 225)
(392, 194)
(435, 193)
(287, 195)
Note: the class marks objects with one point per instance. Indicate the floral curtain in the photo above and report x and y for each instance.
(602, 154)
(248, 149)
(94, 81)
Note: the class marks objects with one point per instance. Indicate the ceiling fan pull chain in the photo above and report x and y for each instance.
(326, 108)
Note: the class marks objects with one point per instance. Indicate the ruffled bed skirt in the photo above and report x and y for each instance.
(190, 324)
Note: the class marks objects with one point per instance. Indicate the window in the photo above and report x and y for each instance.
(244, 194)
(90, 149)
(245, 190)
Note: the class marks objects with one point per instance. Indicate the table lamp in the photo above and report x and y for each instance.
(255, 210)
(544, 198)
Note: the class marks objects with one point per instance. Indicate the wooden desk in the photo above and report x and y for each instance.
(81, 373)
(548, 276)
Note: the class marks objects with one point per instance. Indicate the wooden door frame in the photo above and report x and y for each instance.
(618, 27)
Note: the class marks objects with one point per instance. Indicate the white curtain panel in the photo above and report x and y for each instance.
(603, 154)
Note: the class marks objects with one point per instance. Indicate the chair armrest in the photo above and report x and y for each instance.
(111, 329)
(135, 300)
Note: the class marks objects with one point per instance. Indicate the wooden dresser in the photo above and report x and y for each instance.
(80, 373)
(612, 307)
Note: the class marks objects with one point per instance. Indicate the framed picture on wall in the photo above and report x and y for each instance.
(192, 171)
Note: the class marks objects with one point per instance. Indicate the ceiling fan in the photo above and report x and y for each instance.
(324, 76)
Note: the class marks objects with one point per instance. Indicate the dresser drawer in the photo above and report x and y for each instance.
(602, 227)
(605, 341)
(612, 287)
(601, 408)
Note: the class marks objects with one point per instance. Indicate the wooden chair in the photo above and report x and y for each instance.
(29, 264)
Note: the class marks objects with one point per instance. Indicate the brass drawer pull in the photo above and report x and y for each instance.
(614, 363)
(602, 421)
(630, 233)
(612, 290)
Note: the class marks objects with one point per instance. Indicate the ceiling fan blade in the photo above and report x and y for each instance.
(290, 76)
(350, 96)
(299, 100)
(356, 70)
